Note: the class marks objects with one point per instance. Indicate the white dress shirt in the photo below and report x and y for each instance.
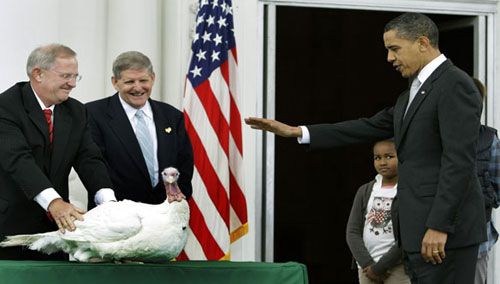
(148, 117)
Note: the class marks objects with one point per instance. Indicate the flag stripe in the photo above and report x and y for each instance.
(200, 230)
(220, 89)
(234, 113)
(214, 113)
(207, 173)
(234, 53)
(213, 220)
(235, 116)
(216, 157)
(237, 199)
(182, 256)
(235, 126)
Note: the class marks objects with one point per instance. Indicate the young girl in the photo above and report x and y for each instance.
(369, 232)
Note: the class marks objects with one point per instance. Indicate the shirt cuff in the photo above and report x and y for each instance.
(46, 196)
(104, 195)
(306, 138)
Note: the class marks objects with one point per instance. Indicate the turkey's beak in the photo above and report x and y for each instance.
(170, 179)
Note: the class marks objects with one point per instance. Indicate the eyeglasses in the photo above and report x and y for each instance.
(68, 76)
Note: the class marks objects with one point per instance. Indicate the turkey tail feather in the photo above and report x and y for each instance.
(44, 242)
(19, 240)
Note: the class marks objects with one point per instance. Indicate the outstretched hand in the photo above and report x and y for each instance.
(274, 126)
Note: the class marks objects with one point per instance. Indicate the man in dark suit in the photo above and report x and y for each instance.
(135, 166)
(435, 125)
(43, 134)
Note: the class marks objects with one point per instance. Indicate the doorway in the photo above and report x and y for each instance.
(331, 66)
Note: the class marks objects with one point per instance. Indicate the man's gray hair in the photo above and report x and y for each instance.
(133, 60)
(45, 56)
(411, 26)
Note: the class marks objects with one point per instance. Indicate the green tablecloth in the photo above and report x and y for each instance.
(185, 272)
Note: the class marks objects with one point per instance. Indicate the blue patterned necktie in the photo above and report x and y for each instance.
(144, 138)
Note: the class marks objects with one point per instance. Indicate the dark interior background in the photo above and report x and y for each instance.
(331, 66)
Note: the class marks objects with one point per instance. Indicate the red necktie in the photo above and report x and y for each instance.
(48, 116)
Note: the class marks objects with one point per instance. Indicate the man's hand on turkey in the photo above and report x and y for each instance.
(64, 214)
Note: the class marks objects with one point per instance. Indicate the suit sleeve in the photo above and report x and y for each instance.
(184, 159)
(89, 163)
(378, 127)
(95, 132)
(459, 111)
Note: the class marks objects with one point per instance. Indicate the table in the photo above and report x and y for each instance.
(185, 272)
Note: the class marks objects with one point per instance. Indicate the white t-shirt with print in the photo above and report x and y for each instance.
(378, 234)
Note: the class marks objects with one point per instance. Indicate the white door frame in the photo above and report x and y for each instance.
(484, 53)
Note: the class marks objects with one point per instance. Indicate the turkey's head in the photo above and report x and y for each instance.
(170, 176)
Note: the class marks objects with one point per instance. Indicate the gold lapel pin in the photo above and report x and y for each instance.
(168, 129)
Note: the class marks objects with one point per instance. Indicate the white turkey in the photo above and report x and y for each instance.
(121, 231)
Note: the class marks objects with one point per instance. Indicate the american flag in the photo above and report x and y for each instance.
(213, 122)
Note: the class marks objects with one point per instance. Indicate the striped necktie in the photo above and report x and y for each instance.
(144, 137)
(48, 117)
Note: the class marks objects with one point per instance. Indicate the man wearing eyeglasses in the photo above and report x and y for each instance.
(43, 134)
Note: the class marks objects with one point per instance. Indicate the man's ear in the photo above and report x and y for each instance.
(37, 74)
(423, 43)
(113, 82)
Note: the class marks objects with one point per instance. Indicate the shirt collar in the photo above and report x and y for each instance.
(130, 111)
(42, 105)
(378, 182)
(430, 67)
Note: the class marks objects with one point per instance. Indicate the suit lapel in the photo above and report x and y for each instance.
(415, 104)
(62, 130)
(164, 135)
(424, 91)
(120, 125)
(35, 113)
(36, 116)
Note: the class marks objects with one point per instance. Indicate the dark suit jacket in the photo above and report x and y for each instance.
(28, 164)
(435, 141)
(112, 131)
